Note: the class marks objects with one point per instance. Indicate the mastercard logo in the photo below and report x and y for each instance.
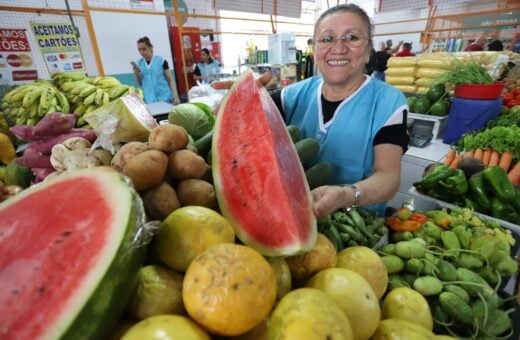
(17, 60)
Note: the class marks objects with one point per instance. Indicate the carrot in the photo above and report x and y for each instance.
(505, 160)
(469, 154)
(478, 154)
(514, 174)
(494, 159)
(455, 163)
(450, 156)
(486, 156)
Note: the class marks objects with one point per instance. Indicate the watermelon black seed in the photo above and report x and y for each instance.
(15, 292)
(41, 289)
(66, 233)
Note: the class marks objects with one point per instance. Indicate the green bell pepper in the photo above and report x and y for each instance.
(499, 183)
(430, 181)
(516, 201)
(503, 211)
(456, 184)
(478, 190)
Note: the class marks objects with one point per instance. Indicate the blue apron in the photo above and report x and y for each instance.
(346, 141)
(153, 81)
(207, 71)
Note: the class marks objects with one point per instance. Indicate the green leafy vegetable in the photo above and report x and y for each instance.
(499, 138)
(466, 72)
(195, 120)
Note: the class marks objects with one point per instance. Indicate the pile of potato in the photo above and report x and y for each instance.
(166, 172)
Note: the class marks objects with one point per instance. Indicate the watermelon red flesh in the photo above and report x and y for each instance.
(260, 183)
(58, 241)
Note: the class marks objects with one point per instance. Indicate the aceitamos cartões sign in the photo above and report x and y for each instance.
(59, 46)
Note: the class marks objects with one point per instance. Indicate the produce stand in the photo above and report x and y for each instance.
(513, 227)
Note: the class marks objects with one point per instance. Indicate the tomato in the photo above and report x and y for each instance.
(513, 102)
(508, 96)
(417, 217)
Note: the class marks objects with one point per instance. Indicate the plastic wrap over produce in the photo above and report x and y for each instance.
(126, 119)
(204, 93)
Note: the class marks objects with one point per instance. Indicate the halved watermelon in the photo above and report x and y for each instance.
(259, 180)
(68, 256)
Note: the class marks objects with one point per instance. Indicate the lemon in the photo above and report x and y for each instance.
(172, 327)
(366, 263)
(354, 295)
(282, 274)
(187, 232)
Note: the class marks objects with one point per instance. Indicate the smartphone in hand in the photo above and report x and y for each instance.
(134, 65)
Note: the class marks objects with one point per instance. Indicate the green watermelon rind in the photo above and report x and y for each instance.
(100, 301)
(228, 214)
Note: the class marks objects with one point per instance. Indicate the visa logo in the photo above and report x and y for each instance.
(52, 57)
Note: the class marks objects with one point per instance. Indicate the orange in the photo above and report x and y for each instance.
(229, 289)
(187, 232)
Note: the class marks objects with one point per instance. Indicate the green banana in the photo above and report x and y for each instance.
(108, 82)
(117, 91)
(62, 101)
(99, 96)
(78, 87)
(80, 109)
(90, 99)
(32, 96)
(87, 90)
(90, 108)
(20, 94)
(106, 98)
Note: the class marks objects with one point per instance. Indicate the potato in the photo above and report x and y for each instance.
(160, 201)
(197, 192)
(183, 164)
(147, 169)
(168, 138)
(126, 153)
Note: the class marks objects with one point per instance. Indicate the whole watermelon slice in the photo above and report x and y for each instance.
(259, 181)
(69, 256)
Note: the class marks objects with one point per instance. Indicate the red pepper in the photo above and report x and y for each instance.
(421, 218)
(398, 225)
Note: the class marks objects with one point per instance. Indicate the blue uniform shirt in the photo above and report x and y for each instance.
(346, 141)
(154, 83)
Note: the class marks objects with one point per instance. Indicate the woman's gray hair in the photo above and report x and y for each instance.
(348, 8)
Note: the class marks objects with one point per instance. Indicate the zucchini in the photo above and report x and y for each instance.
(295, 133)
(307, 150)
(203, 144)
(318, 174)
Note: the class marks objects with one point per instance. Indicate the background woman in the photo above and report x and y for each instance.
(207, 68)
(152, 73)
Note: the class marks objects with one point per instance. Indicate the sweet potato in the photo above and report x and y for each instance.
(34, 160)
(193, 191)
(183, 164)
(45, 145)
(24, 132)
(147, 169)
(168, 138)
(41, 173)
(54, 124)
(160, 201)
(126, 153)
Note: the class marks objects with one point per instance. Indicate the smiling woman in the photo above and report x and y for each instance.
(360, 122)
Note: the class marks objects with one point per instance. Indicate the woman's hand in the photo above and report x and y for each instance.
(327, 199)
(176, 101)
(226, 84)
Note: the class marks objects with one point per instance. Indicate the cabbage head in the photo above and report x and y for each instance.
(196, 121)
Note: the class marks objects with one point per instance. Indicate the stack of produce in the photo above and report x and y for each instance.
(458, 262)
(401, 73)
(53, 129)
(512, 98)
(27, 104)
(86, 95)
(484, 189)
(430, 66)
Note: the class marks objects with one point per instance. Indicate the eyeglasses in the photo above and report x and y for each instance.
(351, 40)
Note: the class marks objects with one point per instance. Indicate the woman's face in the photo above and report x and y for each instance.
(339, 61)
(145, 51)
(204, 57)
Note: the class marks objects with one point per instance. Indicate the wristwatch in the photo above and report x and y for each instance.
(357, 195)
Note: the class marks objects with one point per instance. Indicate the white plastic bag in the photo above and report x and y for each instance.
(204, 93)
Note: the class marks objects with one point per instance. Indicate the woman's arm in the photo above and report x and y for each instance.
(173, 86)
(380, 187)
(196, 72)
(137, 74)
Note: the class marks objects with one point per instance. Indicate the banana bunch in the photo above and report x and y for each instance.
(65, 77)
(28, 103)
(86, 95)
